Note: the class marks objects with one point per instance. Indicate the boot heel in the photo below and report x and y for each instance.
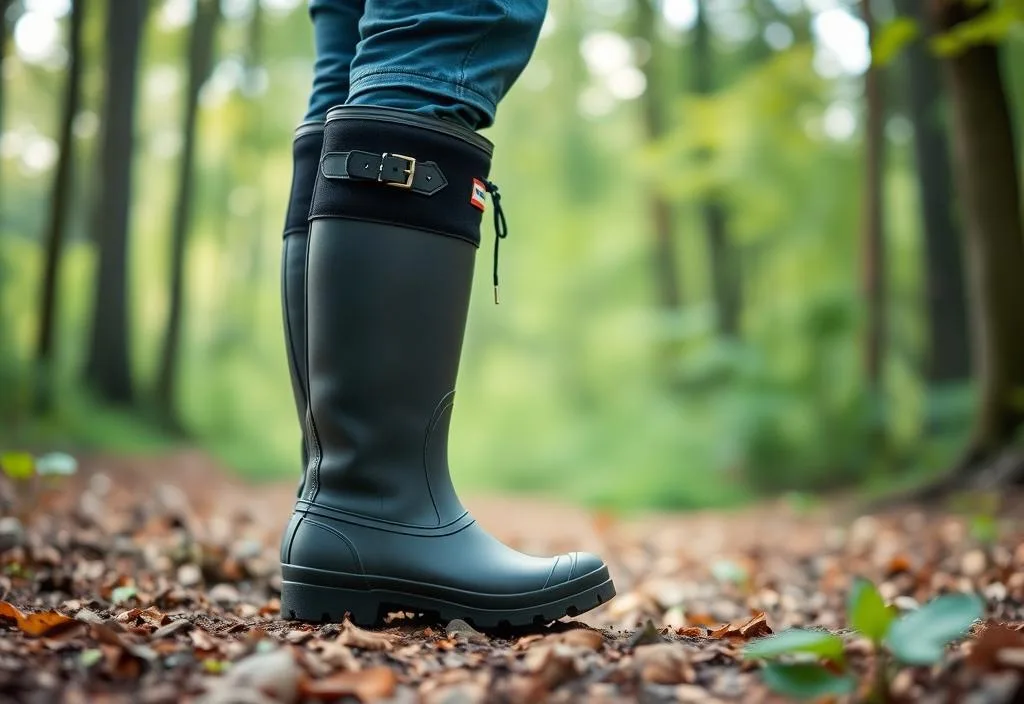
(311, 602)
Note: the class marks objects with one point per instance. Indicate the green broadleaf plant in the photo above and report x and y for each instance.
(823, 644)
(123, 594)
(917, 638)
(18, 465)
(806, 680)
(867, 611)
(56, 464)
(921, 637)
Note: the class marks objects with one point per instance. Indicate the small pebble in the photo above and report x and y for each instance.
(973, 563)
(224, 594)
(12, 533)
(189, 575)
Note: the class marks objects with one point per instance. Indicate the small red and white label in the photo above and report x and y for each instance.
(479, 197)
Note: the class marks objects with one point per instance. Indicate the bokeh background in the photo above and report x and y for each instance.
(736, 262)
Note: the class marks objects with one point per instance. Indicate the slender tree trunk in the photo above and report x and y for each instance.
(665, 253)
(725, 278)
(4, 35)
(199, 63)
(59, 204)
(108, 370)
(872, 238)
(252, 135)
(948, 357)
(986, 159)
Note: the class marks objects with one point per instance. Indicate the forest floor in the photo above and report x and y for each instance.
(156, 580)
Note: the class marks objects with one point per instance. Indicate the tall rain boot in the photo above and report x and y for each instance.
(394, 228)
(309, 140)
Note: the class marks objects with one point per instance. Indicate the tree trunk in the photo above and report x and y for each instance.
(200, 58)
(872, 239)
(62, 185)
(4, 36)
(251, 152)
(664, 253)
(725, 279)
(108, 370)
(948, 356)
(986, 159)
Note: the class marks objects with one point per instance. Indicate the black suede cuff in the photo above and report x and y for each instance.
(449, 211)
(306, 158)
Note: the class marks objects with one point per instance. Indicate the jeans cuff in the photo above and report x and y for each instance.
(447, 91)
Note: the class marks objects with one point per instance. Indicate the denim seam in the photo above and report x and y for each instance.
(356, 84)
(461, 85)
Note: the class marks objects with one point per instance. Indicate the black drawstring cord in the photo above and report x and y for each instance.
(500, 230)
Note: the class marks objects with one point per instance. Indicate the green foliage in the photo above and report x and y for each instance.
(122, 594)
(867, 611)
(808, 664)
(981, 510)
(806, 681)
(991, 26)
(19, 466)
(984, 528)
(892, 37)
(56, 464)
(89, 657)
(920, 637)
(729, 572)
(795, 641)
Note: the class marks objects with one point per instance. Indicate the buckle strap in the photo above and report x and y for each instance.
(397, 170)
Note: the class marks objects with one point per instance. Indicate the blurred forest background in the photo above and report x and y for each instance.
(745, 257)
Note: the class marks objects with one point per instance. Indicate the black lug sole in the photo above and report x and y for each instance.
(313, 602)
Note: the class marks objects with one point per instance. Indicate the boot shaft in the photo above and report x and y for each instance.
(306, 150)
(390, 267)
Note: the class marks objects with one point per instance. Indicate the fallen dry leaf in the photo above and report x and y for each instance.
(692, 632)
(578, 638)
(42, 623)
(665, 663)
(754, 627)
(552, 665)
(274, 674)
(357, 637)
(989, 647)
(365, 685)
(702, 619)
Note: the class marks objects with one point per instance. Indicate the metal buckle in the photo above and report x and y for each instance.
(409, 172)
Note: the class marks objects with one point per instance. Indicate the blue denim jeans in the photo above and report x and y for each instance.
(451, 59)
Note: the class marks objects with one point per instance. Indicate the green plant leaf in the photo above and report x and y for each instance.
(821, 643)
(88, 658)
(806, 681)
(867, 611)
(215, 667)
(123, 594)
(729, 572)
(920, 637)
(56, 464)
(989, 27)
(892, 38)
(18, 465)
(985, 529)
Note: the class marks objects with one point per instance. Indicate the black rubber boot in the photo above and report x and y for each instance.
(309, 140)
(379, 528)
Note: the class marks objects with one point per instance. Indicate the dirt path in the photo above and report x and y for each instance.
(162, 579)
